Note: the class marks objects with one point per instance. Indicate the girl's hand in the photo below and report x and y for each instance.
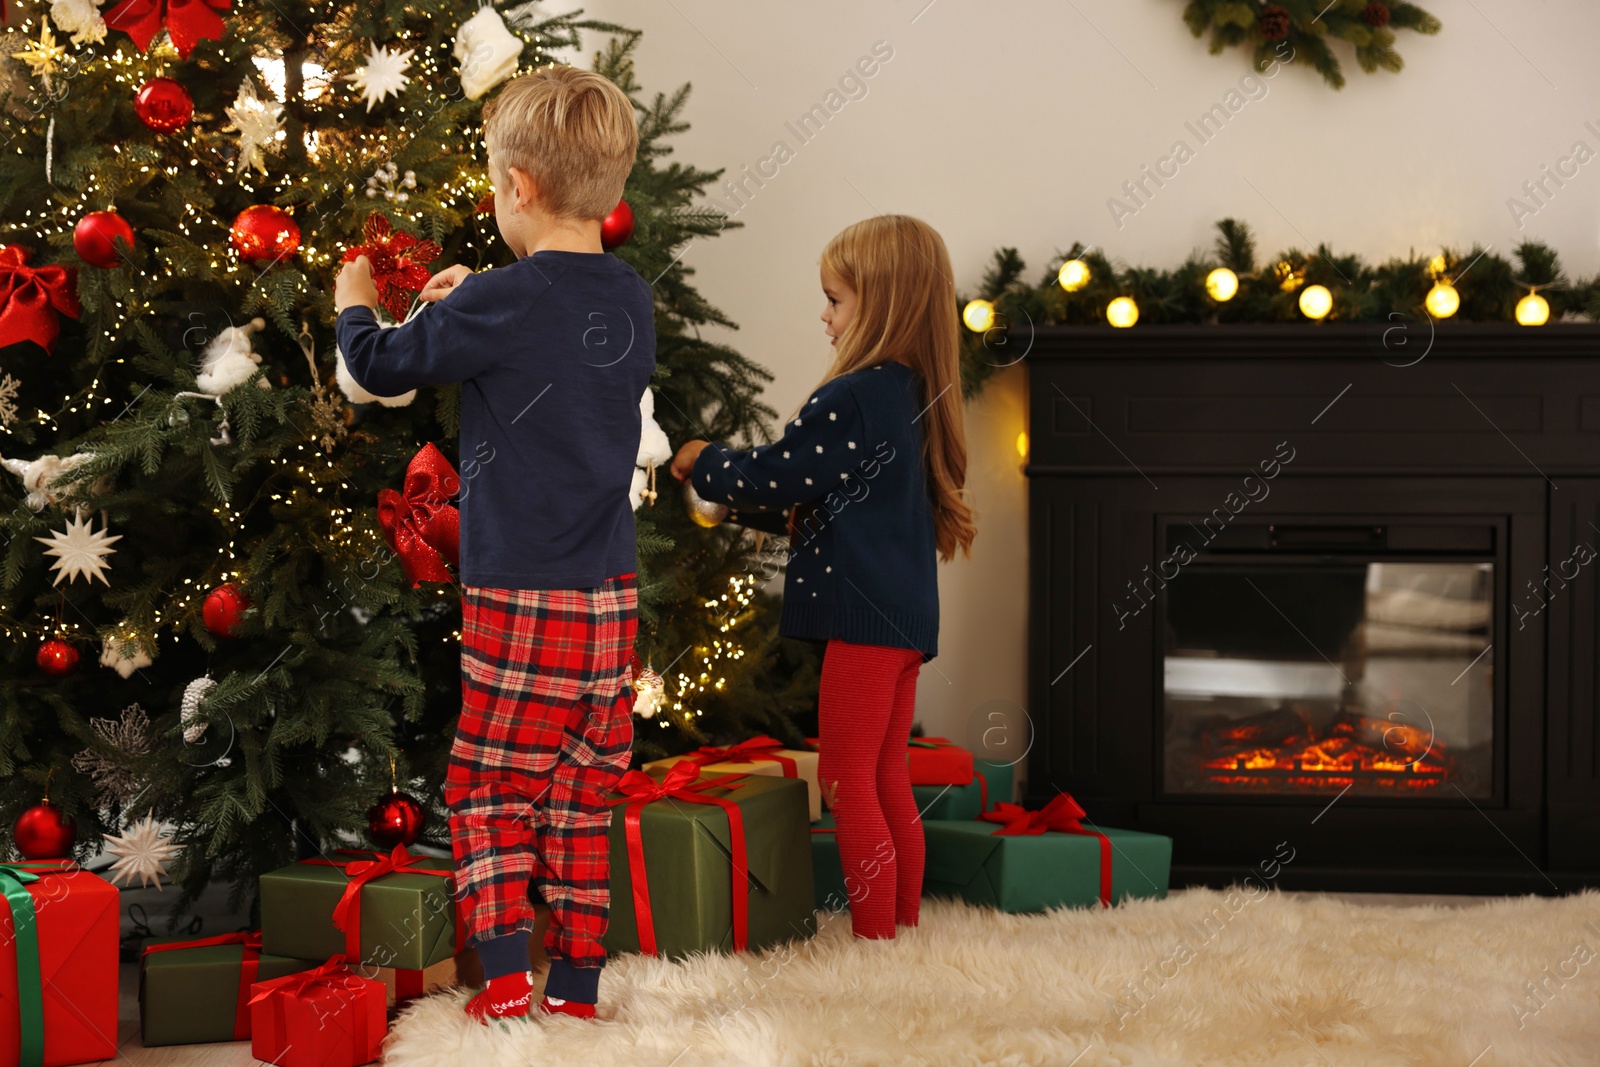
(444, 283)
(353, 287)
(683, 462)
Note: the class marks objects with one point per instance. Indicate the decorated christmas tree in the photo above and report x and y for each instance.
(213, 644)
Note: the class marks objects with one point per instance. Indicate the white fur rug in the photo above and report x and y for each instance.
(1201, 979)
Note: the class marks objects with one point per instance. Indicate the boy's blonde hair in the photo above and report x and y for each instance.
(572, 131)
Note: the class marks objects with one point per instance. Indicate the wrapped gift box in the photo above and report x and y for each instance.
(402, 918)
(197, 990)
(688, 849)
(58, 965)
(992, 783)
(759, 755)
(1023, 872)
(934, 761)
(326, 1017)
(401, 984)
(827, 870)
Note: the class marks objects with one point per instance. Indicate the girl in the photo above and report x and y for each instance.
(871, 471)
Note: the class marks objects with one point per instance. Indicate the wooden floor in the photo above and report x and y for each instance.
(237, 1054)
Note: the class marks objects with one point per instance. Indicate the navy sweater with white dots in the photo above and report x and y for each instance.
(861, 538)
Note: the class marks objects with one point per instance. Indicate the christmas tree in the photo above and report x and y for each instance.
(191, 501)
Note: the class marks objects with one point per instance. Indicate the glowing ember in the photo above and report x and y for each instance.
(1283, 749)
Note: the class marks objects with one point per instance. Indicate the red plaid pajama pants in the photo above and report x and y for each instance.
(546, 730)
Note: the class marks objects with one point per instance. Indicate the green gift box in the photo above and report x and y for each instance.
(827, 870)
(687, 849)
(191, 996)
(406, 918)
(1032, 872)
(992, 783)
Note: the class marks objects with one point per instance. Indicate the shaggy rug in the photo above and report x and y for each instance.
(1203, 978)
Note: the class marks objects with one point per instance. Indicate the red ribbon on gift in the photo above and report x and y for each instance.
(249, 969)
(419, 523)
(33, 299)
(1062, 815)
(760, 749)
(399, 263)
(335, 973)
(188, 21)
(680, 783)
(347, 913)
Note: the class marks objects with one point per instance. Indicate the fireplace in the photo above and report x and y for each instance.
(1286, 589)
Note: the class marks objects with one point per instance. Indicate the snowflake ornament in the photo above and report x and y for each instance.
(10, 389)
(80, 551)
(110, 762)
(142, 853)
(194, 694)
(259, 124)
(383, 76)
(81, 18)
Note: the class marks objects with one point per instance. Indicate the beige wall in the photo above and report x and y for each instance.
(1013, 123)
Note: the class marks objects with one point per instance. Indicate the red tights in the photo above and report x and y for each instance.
(865, 708)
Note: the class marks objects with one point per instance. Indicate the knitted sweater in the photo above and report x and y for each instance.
(861, 540)
(552, 353)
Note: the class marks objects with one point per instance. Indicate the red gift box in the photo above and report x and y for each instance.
(58, 965)
(935, 761)
(327, 1017)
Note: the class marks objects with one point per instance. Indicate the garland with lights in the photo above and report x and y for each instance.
(1228, 285)
(1296, 31)
(173, 209)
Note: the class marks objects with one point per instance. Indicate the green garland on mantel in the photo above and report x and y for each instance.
(1294, 31)
(1488, 285)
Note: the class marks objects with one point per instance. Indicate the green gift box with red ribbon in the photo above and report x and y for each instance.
(992, 783)
(1024, 861)
(382, 909)
(703, 862)
(58, 965)
(197, 990)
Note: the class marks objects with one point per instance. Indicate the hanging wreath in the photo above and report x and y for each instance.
(1297, 31)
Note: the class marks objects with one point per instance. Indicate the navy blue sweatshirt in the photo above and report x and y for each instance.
(553, 354)
(862, 552)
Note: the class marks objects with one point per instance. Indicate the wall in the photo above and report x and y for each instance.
(1014, 123)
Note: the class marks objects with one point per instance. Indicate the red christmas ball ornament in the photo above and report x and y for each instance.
(96, 235)
(57, 658)
(617, 227)
(396, 820)
(224, 607)
(264, 234)
(164, 105)
(44, 832)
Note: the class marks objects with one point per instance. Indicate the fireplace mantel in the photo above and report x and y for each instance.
(1398, 426)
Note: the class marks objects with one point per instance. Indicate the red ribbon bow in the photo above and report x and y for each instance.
(188, 21)
(347, 913)
(639, 789)
(249, 969)
(399, 263)
(33, 299)
(418, 522)
(760, 749)
(1063, 815)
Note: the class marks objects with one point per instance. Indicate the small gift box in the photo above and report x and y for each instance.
(58, 965)
(758, 755)
(992, 783)
(198, 990)
(1021, 861)
(708, 863)
(392, 910)
(326, 1017)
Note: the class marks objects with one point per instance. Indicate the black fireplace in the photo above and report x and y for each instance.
(1297, 584)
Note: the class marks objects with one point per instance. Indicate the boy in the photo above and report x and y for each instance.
(552, 353)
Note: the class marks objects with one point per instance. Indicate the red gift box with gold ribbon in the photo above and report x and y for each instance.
(58, 965)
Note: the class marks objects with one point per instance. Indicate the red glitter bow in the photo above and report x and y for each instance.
(399, 263)
(418, 522)
(33, 299)
(188, 21)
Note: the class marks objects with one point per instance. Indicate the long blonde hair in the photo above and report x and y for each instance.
(906, 311)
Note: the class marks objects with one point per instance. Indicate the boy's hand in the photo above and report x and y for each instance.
(353, 287)
(683, 462)
(444, 283)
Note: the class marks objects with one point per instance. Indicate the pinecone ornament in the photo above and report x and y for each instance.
(194, 694)
(1375, 14)
(1274, 22)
